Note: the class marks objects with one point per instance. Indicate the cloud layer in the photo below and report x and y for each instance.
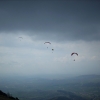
(54, 20)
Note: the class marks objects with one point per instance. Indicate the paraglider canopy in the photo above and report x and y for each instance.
(74, 53)
(47, 42)
(21, 37)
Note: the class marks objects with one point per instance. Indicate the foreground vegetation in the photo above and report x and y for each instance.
(4, 96)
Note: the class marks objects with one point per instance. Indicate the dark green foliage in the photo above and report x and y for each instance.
(2, 93)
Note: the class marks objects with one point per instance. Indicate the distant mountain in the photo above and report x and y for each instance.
(86, 77)
(66, 98)
(65, 95)
(60, 98)
(4, 96)
(90, 76)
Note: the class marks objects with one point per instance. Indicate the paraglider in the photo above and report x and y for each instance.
(52, 50)
(47, 43)
(21, 38)
(73, 54)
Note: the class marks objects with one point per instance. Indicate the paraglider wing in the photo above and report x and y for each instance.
(47, 42)
(77, 54)
(74, 53)
(20, 37)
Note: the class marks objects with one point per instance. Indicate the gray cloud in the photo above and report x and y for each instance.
(52, 19)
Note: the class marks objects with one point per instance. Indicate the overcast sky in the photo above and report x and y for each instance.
(70, 26)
